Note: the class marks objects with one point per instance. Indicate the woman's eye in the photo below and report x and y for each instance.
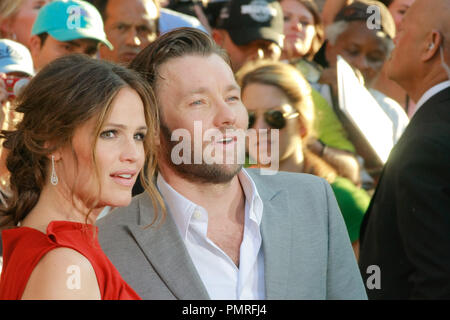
(108, 134)
(139, 136)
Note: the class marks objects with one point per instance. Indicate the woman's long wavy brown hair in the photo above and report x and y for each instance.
(64, 95)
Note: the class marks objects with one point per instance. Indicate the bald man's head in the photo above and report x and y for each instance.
(416, 62)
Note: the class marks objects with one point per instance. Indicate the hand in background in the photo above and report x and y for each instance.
(3, 92)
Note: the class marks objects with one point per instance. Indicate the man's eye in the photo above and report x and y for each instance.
(143, 30)
(305, 23)
(121, 27)
(139, 136)
(197, 103)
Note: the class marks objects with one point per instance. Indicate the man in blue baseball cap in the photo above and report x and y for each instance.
(63, 27)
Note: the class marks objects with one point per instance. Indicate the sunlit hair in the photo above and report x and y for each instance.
(319, 38)
(292, 83)
(63, 96)
(8, 8)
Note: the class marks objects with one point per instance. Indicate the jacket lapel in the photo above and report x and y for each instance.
(276, 239)
(167, 254)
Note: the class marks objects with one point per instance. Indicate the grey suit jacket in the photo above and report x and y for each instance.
(307, 251)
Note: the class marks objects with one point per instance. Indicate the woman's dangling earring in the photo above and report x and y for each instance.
(54, 177)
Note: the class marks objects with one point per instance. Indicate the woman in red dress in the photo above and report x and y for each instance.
(88, 130)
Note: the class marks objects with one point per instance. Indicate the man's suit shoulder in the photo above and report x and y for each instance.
(124, 215)
(287, 180)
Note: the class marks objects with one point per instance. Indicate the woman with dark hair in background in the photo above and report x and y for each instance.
(304, 34)
(87, 131)
(278, 97)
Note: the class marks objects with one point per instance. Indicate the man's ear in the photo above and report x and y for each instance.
(35, 47)
(431, 45)
(218, 36)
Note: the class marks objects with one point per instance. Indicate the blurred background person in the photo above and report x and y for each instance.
(366, 50)
(278, 97)
(65, 27)
(398, 9)
(250, 30)
(17, 18)
(303, 37)
(171, 19)
(16, 69)
(190, 10)
(406, 230)
(130, 25)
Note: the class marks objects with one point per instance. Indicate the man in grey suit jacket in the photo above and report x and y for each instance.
(229, 233)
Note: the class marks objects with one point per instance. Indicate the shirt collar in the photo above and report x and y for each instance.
(252, 198)
(182, 208)
(430, 93)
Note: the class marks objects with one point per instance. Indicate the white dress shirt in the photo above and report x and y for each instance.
(222, 278)
(430, 93)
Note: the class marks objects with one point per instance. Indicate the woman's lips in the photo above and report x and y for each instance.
(124, 179)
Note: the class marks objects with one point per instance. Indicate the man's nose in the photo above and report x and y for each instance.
(226, 115)
(132, 38)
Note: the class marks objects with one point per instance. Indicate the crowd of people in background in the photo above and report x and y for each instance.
(92, 93)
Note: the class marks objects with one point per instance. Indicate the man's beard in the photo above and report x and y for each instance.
(197, 173)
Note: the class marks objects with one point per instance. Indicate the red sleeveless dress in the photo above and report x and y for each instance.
(24, 247)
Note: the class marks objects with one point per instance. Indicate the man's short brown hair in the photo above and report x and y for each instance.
(174, 44)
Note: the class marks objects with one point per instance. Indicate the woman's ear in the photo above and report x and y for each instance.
(5, 28)
(303, 130)
(56, 153)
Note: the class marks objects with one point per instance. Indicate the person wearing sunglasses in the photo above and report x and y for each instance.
(278, 97)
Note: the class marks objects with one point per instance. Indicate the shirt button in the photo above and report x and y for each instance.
(197, 214)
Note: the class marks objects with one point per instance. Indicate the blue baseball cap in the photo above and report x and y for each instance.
(15, 57)
(67, 20)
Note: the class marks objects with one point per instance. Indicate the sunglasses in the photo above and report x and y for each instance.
(276, 119)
